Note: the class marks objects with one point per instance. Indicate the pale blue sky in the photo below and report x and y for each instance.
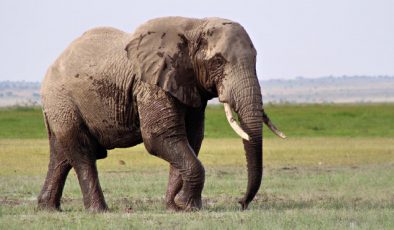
(293, 38)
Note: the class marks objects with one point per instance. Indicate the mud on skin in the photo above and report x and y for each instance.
(111, 89)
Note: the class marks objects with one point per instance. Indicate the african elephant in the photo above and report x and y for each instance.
(111, 89)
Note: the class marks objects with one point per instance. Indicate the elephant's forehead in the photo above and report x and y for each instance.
(230, 40)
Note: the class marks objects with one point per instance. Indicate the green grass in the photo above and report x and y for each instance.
(350, 120)
(347, 120)
(354, 120)
(314, 183)
(21, 123)
(334, 172)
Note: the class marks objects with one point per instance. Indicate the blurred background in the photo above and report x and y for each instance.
(308, 51)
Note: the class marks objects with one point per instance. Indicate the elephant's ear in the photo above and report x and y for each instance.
(162, 58)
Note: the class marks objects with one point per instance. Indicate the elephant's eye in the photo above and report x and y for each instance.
(217, 61)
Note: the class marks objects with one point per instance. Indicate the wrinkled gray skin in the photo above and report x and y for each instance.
(111, 89)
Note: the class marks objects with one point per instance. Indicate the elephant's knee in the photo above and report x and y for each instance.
(194, 172)
(150, 144)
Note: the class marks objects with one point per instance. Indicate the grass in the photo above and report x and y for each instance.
(337, 178)
(354, 120)
(22, 123)
(309, 183)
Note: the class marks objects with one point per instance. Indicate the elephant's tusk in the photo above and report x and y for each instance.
(271, 126)
(233, 123)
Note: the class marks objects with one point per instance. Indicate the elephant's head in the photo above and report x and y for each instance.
(196, 60)
(227, 58)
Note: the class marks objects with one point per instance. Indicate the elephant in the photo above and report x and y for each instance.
(111, 89)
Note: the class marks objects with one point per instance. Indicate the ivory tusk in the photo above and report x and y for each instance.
(233, 123)
(271, 126)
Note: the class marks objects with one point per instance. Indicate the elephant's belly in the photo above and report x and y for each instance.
(111, 116)
(119, 137)
(111, 129)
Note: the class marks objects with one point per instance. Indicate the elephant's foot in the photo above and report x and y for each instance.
(172, 207)
(48, 201)
(94, 202)
(187, 201)
(98, 207)
(43, 206)
(174, 186)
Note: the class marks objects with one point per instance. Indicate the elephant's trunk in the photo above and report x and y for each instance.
(246, 101)
(251, 121)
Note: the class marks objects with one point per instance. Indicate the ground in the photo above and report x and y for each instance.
(319, 178)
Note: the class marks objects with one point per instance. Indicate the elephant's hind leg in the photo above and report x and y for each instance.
(50, 195)
(83, 149)
(93, 197)
(72, 145)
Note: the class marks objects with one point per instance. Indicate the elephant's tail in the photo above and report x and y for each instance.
(271, 126)
(47, 125)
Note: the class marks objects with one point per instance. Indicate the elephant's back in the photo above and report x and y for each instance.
(96, 55)
(104, 31)
(88, 58)
(94, 77)
(93, 49)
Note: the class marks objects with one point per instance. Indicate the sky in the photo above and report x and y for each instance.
(305, 38)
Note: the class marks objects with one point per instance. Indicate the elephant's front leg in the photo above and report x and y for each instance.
(174, 186)
(194, 121)
(164, 133)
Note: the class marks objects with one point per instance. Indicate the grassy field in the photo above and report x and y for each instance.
(334, 172)
(347, 120)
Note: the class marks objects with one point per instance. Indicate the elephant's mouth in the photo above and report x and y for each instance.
(238, 130)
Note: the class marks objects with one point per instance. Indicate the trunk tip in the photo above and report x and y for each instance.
(244, 204)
